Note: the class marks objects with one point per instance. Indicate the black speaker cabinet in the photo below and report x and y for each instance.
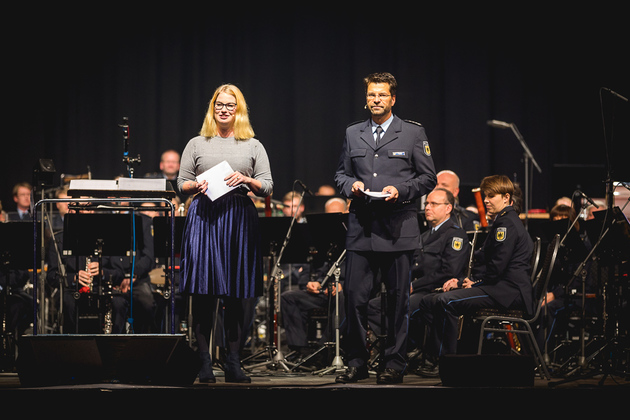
(487, 370)
(163, 359)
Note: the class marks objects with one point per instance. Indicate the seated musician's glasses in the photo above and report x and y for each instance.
(433, 204)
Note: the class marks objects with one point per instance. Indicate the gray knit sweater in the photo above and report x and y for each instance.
(248, 157)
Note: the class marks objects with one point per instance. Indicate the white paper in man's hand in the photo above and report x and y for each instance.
(216, 180)
(375, 194)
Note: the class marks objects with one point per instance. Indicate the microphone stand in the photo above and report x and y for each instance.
(126, 159)
(337, 364)
(527, 159)
(581, 272)
(276, 358)
(583, 207)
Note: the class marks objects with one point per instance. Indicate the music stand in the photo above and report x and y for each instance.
(162, 248)
(16, 253)
(16, 245)
(614, 238)
(571, 241)
(328, 234)
(273, 231)
(87, 234)
(162, 235)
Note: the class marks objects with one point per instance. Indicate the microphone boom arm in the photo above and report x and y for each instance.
(521, 140)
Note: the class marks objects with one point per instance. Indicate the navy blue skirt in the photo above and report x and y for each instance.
(220, 252)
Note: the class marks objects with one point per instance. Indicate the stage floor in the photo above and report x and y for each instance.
(284, 381)
(299, 394)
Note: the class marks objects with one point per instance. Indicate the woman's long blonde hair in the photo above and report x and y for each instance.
(242, 128)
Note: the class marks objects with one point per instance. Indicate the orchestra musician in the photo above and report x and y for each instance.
(504, 281)
(82, 272)
(468, 220)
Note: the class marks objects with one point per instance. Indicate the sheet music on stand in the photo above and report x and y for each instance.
(121, 187)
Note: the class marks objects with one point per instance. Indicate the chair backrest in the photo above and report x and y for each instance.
(542, 282)
(535, 261)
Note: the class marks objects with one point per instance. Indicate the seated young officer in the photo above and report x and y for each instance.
(504, 281)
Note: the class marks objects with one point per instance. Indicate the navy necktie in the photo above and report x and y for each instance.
(379, 132)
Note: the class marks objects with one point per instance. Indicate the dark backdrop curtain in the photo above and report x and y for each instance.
(72, 79)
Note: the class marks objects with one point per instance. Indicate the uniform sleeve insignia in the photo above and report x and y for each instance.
(426, 148)
(501, 234)
(457, 243)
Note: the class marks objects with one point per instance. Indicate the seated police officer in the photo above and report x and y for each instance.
(443, 254)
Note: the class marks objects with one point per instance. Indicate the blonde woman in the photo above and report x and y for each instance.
(220, 255)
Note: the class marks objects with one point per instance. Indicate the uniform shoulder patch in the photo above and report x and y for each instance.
(500, 234)
(413, 122)
(426, 148)
(457, 243)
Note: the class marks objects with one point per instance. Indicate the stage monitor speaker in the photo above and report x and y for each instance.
(487, 370)
(161, 359)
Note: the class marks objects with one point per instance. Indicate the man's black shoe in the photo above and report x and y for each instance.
(389, 376)
(428, 370)
(353, 374)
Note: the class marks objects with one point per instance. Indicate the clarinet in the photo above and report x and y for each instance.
(107, 319)
(471, 261)
(86, 289)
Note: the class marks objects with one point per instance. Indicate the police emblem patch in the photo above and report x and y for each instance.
(427, 149)
(457, 243)
(501, 234)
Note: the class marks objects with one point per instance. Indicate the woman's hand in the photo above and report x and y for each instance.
(236, 178)
(194, 187)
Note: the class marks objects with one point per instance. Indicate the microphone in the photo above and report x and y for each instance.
(304, 187)
(125, 127)
(499, 124)
(587, 198)
(623, 98)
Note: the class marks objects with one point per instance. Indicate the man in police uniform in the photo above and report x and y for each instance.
(385, 165)
(444, 251)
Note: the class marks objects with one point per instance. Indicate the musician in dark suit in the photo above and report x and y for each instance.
(390, 157)
(79, 275)
(22, 197)
(504, 280)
